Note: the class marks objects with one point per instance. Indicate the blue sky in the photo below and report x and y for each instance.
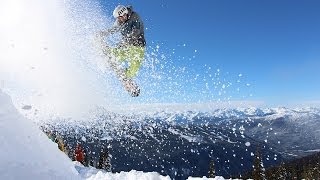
(274, 44)
(262, 52)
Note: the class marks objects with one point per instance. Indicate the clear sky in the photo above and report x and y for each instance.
(261, 52)
(274, 44)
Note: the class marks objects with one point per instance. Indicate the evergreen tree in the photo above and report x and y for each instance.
(292, 172)
(307, 172)
(282, 172)
(317, 167)
(104, 160)
(86, 158)
(258, 169)
(272, 173)
(91, 163)
(212, 171)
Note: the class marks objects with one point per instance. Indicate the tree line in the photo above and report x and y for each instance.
(303, 168)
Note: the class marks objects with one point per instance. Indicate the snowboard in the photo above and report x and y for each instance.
(129, 84)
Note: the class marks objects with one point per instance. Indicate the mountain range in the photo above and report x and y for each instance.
(182, 143)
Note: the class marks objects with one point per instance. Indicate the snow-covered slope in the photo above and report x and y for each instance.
(91, 173)
(26, 152)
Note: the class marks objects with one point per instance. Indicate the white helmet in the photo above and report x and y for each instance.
(120, 10)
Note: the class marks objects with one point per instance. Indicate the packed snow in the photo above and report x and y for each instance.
(27, 153)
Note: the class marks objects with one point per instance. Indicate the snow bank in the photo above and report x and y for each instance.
(197, 178)
(26, 152)
(91, 173)
(216, 178)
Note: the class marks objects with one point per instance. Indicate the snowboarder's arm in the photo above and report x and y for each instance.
(137, 27)
(113, 29)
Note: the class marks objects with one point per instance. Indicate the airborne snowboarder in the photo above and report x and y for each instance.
(130, 49)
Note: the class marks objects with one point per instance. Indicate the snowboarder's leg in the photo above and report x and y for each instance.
(135, 57)
(113, 58)
(120, 55)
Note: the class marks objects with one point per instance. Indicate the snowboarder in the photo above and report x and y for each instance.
(130, 49)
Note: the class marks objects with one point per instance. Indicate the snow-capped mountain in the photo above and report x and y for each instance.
(171, 144)
(269, 113)
(295, 132)
(181, 144)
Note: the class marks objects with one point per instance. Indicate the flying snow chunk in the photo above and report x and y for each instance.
(26, 107)
(248, 144)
